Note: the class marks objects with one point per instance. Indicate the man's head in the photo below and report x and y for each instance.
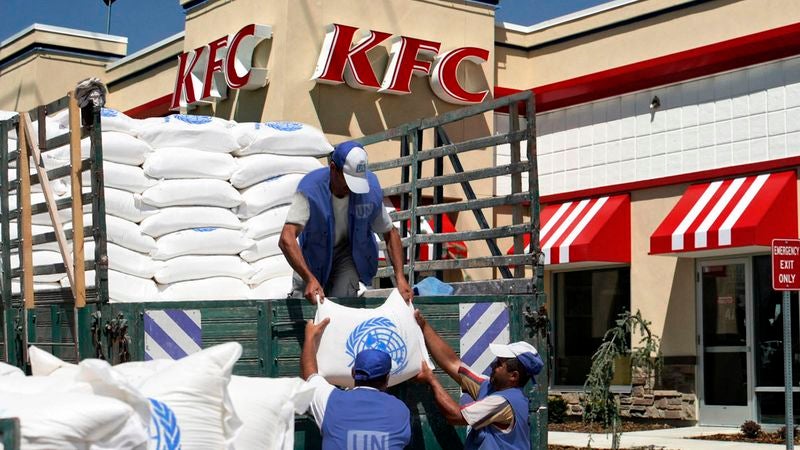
(349, 169)
(515, 364)
(371, 368)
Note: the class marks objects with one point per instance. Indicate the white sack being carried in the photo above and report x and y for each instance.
(268, 222)
(126, 288)
(281, 138)
(41, 258)
(210, 134)
(196, 389)
(217, 288)
(263, 248)
(201, 241)
(257, 168)
(173, 163)
(279, 287)
(267, 407)
(192, 192)
(125, 177)
(78, 421)
(268, 194)
(390, 327)
(195, 267)
(270, 267)
(177, 218)
(127, 205)
(117, 147)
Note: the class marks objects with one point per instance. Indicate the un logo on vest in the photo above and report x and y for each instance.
(378, 333)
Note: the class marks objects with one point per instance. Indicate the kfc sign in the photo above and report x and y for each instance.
(342, 61)
(207, 72)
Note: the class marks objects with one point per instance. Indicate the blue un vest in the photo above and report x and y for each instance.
(365, 419)
(316, 240)
(489, 437)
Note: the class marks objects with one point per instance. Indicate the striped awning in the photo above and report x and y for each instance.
(740, 212)
(592, 230)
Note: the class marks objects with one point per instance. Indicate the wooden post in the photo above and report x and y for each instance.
(78, 278)
(33, 145)
(25, 252)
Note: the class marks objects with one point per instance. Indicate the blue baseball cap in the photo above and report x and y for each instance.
(527, 355)
(371, 364)
(351, 158)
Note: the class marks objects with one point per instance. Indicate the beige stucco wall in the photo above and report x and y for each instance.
(699, 25)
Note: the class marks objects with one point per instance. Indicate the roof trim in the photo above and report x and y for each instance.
(64, 31)
(565, 18)
(150, 48)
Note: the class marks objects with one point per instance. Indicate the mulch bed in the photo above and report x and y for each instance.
(569, 447)
(578, 426)
(763, 438)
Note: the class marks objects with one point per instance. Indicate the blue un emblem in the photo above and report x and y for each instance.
(190, 119)
(164, 432)
(378, 333)
(285, 126)
(108, 112)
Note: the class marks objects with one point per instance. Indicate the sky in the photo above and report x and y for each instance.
(146, 22)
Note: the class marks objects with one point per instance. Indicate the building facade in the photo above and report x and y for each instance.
(668, 142)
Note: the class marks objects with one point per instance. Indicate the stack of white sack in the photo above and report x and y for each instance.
(191, 403)
(273, 158)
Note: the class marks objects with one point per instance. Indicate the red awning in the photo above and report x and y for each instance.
(596, 230)
(739, 212)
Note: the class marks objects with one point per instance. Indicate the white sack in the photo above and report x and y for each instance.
(192, 192)
(7, 370)
(117, 147)
(52, 126)
(195, 267)
(390, 327)
(279, 287)
(59, 186)
(127, 205)
(217, 288)
(89, 278)
(125, 177)
(127, 234)
(135, 372)
(201, 241)
(257, 168)
(124, 288)
(264, 247)
(187, 217)
(45, 364)
(174, 163)
(281, 138)
(131, 262)
(40, 258)
(267, 407)
(210, 134)
(43, 218)
(270, 267)
(16, 287)
(268, 194)
(196, 389)
(268, 222)
(110, 120)
(78, 421)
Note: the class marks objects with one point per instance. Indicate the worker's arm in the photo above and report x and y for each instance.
(394, 247)
(442, 353)
(447, 406)
(291, 250)
(308, 357)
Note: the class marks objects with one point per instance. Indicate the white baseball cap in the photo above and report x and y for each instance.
(351, 157)
(523, 351)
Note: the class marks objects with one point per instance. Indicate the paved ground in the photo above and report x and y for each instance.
(672, 439)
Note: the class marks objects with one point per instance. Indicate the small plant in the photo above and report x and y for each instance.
(556, 410)
(751, 429)
(782, 432)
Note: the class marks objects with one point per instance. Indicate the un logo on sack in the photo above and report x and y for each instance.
(193, 120)
(108, 112)
(285, 126)
(378, 333)
(163, 431)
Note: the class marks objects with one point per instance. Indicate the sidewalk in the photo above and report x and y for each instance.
(670, 439)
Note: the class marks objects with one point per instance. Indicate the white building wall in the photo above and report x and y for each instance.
(739, 117)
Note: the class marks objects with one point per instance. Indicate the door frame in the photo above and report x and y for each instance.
(721, 415)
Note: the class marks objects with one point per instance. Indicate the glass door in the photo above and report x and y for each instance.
(724, 342)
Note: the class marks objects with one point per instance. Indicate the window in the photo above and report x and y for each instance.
(586, 305)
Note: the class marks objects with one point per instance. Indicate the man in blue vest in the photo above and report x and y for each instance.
(362, 418)
(335, 212)
(498, 418)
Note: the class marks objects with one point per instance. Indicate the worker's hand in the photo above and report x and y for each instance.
(425, 374)
(420, 318)
(405, 290)
(314, 330)
(314, 292)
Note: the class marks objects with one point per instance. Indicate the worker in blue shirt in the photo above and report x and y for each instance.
(498, 418)
(362, 418)
(336, 212)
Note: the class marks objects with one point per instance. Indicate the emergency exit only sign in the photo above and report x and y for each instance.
(786, 264)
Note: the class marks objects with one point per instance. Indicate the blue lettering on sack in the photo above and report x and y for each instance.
(285, 126)
(190, 119)
(108, 112)
(204, 229)
(163, 431)
(367, 440)
(382, 334)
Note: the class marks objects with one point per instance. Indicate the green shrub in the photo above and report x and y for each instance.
(556, 410)
(750, 429)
